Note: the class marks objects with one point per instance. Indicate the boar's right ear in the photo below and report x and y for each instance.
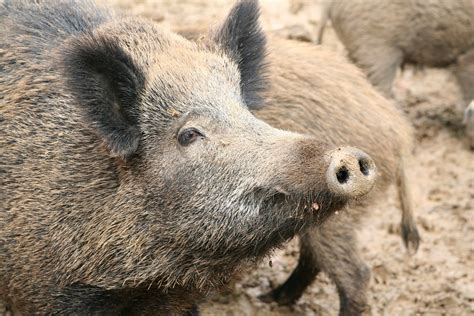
(243, 40)
(107, 83)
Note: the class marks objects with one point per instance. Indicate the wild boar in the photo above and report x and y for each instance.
(134, 178)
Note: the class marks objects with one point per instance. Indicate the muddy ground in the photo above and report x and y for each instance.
(439, 279)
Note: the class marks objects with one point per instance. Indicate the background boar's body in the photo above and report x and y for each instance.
(383, 35)
(315, 92)
(134, 177)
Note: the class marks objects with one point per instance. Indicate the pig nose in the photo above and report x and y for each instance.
(351, 172)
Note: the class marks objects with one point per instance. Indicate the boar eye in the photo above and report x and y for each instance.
(188, 136)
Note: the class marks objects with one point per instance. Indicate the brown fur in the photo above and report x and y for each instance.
(134, 177)
(382, 35)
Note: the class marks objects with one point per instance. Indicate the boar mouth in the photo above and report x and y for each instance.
(312, 208)
(285, 215)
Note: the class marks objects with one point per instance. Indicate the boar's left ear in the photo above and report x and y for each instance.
(243, 40)
(107, 84)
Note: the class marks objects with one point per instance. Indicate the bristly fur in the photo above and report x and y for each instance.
(82, 232)
(241, 36)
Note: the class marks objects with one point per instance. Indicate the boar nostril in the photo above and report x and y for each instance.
(364, 166)
(342, 175)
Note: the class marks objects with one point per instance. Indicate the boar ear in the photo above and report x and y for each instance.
(106, 84)
(243, 40)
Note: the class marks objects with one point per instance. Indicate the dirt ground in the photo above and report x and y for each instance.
(439, 279)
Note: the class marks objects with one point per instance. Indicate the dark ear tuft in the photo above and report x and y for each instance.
(243, 39)
(107, 83)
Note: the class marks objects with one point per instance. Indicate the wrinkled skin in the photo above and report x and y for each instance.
(134, 177)
(381, 36)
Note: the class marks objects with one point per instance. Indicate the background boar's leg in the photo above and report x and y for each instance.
(381, 63)
(464, 72)
(303, 275)
(332, 249)
(335, 249)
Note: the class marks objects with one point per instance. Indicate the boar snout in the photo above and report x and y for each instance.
(351, 172)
